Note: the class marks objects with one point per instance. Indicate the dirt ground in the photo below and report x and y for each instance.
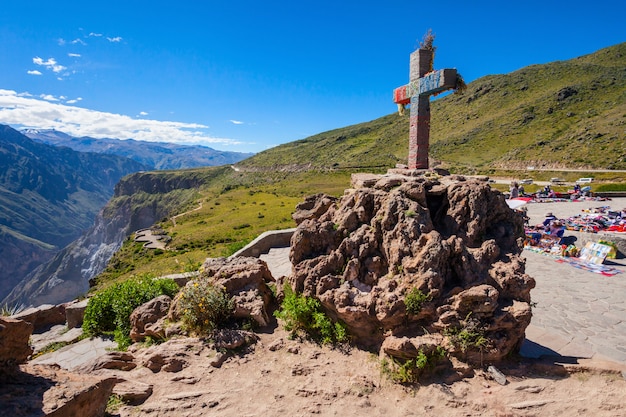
(279, 377)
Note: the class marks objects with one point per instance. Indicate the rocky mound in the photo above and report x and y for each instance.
(411, 264)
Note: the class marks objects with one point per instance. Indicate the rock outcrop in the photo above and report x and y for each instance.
(147, 320)
(245, 279)
(43, 390)
(14, 345)
(410, 257)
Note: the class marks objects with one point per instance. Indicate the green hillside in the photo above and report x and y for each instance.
(565, 114)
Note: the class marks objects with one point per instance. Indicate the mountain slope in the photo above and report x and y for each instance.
(155, 155)
(562, 114)
(48, 197)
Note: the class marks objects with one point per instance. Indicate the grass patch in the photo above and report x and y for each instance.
(414, 301)
(260, 201)
(304, 316)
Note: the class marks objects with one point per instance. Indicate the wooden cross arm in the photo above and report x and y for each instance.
(432, 83)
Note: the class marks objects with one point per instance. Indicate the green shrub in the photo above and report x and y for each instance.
(204, 306)
(414, 301)
(304, 314)
(410, 371)
(109, 310)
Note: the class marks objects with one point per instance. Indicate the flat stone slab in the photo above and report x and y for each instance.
(58, 333)
(77, 354)
(277, 260)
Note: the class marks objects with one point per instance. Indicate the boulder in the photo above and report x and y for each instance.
(232, 339)
(313, 207)
(44, 316)
(147, 320)
(52, 391)
(245, 279)
(14, 343)
(454, 240)
(133, 392)
(74, 313)
(170, 356)
(123, 361)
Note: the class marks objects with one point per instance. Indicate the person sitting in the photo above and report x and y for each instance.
(555, 228)
(514, 190)
(549, 219)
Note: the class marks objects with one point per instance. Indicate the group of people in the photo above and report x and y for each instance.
(517, 190)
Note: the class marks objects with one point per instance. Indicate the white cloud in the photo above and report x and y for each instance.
(34, 72)
(61, 41)
(78, 41)
(96, 35)
(22, 110)
(50, 64)
(49, 97)
(236, 122)
(115, 39)
(143, 113)
(72, 55)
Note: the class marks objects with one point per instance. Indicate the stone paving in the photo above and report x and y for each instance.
(277, 260)
(77, 354)
(578, 313)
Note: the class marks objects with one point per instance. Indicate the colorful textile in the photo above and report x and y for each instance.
(576, 262)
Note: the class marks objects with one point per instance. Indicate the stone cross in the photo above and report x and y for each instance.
(423, 82)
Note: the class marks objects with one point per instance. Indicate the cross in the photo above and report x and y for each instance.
(423, 82)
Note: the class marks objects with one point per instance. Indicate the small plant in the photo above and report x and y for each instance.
(304, 314)
(51, 347)
(108, 312)
(191, 266)
(114, 403)
(7, 310)
(470, 336)
(410, 213)
(204, 306)
(414, 301)
(461, 86)
(428, 40)
(410, 371)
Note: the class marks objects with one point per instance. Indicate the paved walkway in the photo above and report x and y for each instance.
(277, 260)
(578, 313)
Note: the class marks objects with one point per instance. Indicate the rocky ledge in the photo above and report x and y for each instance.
(410, 264)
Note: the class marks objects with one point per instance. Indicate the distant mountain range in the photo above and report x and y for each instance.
(52, 185)
(48, 197)
(155, 155)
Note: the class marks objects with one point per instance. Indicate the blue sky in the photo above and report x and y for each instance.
(249, 75)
